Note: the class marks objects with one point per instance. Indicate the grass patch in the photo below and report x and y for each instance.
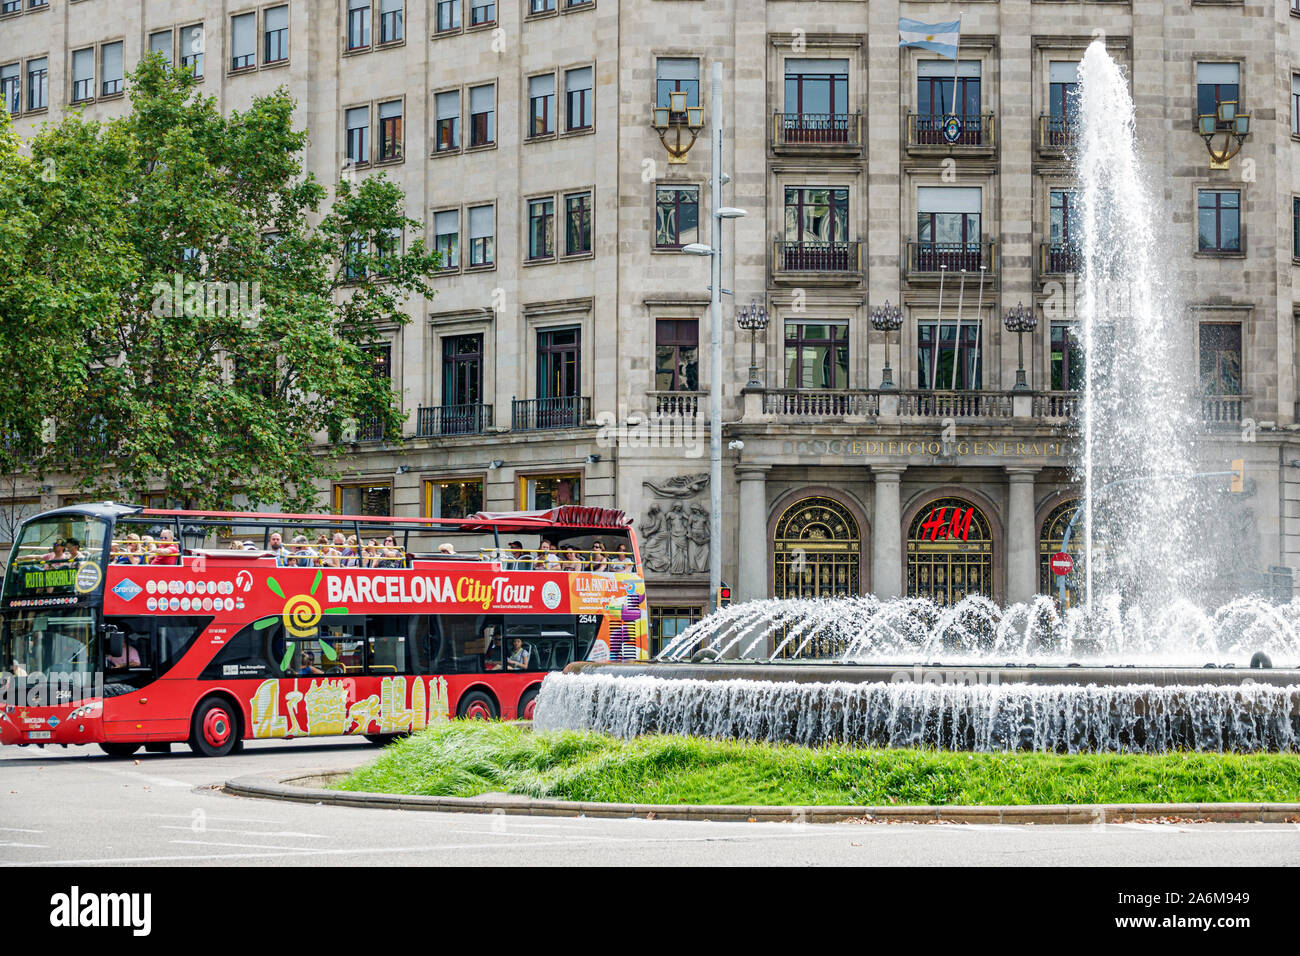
(466, 758)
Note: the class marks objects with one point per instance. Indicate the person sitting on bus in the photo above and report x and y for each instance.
(518, 659)
(302, 555)
(331, 552)
(548, 560)
(571, 561)
(598, 562)
(370, 554)
(492, 652)
(351, 553)
(391, 556)
(305, 666)
(166, 552)
(446, 548)
(620, 561)
(127, 551)
(517, 559)
(276, 546)
(57, 556)
(129, 658)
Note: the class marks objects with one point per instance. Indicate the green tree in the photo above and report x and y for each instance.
(179, 308)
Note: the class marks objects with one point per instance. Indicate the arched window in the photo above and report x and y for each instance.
(817, 551)
(949, 552)
(1051, 541)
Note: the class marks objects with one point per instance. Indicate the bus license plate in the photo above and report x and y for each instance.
(40, 735)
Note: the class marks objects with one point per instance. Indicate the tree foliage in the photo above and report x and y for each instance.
(177, 312)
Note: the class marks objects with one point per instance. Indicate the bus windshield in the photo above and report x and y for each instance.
(49, 554)
(48, 641)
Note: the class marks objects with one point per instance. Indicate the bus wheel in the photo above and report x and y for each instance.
(119, 750)
(383, 740)
(477, 706)
(215, 730)
(527, 704)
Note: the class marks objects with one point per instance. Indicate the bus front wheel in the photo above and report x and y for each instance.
(119, 750)
(215, 731)
(477, 706)
(527, 704)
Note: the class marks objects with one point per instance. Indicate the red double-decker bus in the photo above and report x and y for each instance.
(132, 627)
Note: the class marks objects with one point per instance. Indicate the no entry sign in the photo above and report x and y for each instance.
(1062, 564)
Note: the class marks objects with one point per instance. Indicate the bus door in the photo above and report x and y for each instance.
(134, 701)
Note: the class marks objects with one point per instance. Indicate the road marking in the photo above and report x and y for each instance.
(20, 830)
(31, 846)
(267, 833)
(146, 778)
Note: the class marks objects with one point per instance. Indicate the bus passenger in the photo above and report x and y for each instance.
(547, 559)
(598, 562)
(276, 546)
(370, 554)
(351, 554)
(517, 559)
(518, 659)
(571, 561)
(57, 556)
(302, 555)
(166, 552)
(620, 562)
(148, 549)
(390, 557)
(128, 551)
(446, 548)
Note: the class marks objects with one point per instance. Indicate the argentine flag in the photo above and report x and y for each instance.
(941, 38)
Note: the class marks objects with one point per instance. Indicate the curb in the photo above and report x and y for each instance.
(297, 788)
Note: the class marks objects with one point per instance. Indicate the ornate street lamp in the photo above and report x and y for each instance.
(753, 319)
(1021, 320)
(674, 120)
(887, 318)
(1234, 126)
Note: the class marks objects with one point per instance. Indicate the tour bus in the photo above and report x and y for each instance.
(129, 627)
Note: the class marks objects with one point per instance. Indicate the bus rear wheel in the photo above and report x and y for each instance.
(527, 704)
(383, 740)
(215, 730)
(477, 705)
(119, 750)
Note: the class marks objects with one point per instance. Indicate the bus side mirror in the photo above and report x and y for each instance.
(113, 634)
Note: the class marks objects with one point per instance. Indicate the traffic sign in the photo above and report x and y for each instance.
(1062, 564)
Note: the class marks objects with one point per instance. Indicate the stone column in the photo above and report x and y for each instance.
(751, 582)
(1021, 537)
(887, 533)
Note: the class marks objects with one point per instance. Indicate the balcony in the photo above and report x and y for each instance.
(1058, 258)
(927, 261)
(832, 263)
(1225, 410)
(369, 428)
(1056, 405)
(813, 133)
(816, 403)
(925, 135)
(927, 403)
(566, 411)
(676, 404)
(1054, 136)
(438, 420)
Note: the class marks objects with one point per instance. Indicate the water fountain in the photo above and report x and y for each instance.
(1138, 665)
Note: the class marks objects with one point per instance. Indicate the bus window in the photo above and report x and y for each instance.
(339, 648)
(386, 638)
(175, 636)
(470, 645)
(133, 667)
(426, 643)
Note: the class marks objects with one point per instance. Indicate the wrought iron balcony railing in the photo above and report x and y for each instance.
(843, 258)
(927, 130)
(816, 129)
(932, 257)
(567, 411)
(1054, 133)
(370, 428)
(437, 420)
(1058, 258)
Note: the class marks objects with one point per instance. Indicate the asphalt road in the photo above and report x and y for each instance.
(78, 807)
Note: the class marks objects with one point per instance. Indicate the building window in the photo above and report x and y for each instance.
(1061, 253)
(448, 15)
(453, 497)
(1216, 83)
(1062, 100)
(542, 492)
(541, 6)
(816, 355)
(1295, 228)
(192, 48)
(677, 355)
(371, 427)
(677, 216)
(243, 41)
(948, 228)
(541, 104)
(558, 362)
(161, 43)
(482, 12)
(390, 131)
(358, 24)
(83, 74)
(1067, 358)
(1218, 220)
(667, 622)
(577, 224)
(275, 32)
(482, 235)
(951, 366)
(448, 129)
(462, 370)
(11, 6)
(1295, 104)
(1220, 358)
(674, 75)
(446, 237)
(541, 228)
(482, 115)
(357, 122)
(816, 101)
(38, 84)
(110, 66)
(949, 552)
(353, 252)
(816, 215)
(372, 500)
(11, 87)
(388, 248)
(579, 105)
(391, 28)
(935, 101)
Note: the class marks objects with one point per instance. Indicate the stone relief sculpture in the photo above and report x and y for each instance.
(676, 541)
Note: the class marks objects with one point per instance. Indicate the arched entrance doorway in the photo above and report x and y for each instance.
(817, 550)
(949, 552)
(1051, 541)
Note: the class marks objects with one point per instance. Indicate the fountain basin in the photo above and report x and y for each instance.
(1056, 710)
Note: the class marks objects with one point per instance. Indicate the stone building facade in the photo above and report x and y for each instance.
(565, 355)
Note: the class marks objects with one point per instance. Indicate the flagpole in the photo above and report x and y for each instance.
(937, 342)
(956, 339)
(956, 61)
(979, 331)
